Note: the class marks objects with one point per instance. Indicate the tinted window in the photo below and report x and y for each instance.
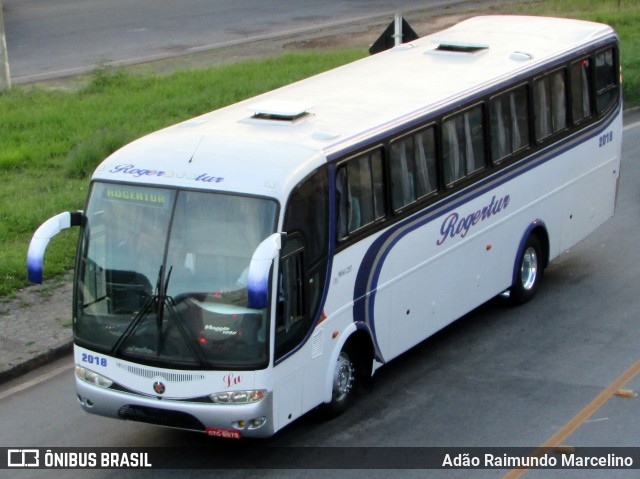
(307, 214)
(413, 168)
(580, 90)
(292, 318)
(509, 123)
(360, 192)
(463, 151)
(606, 83)
(550, 104)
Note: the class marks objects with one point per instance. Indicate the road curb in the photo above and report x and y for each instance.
(35, 362)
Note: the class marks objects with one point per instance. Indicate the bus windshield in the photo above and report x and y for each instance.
(162, 277)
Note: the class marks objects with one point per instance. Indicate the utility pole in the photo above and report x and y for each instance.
(5, 74)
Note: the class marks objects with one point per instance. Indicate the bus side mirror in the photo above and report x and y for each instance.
(258, 278)
(40, 240)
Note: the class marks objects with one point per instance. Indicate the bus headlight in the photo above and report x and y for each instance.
(93, 378)
(238, 397)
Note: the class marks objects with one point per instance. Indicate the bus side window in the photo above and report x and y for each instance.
(606, 83)
(463, 142)
(550, 104)
(360, 192)
(426, 174)
(291, 327)
(402, 175)
(413, 168)
(509, 123)
(580, 90)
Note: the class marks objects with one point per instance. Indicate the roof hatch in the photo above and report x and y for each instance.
(459, 47)
(283, 111)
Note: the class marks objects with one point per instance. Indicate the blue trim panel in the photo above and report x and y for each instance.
(257, 298)
(34, 269)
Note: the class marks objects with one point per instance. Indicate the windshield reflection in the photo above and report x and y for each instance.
(162, 277)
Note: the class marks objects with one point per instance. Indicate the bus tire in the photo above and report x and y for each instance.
(529, 272)
(344, 384)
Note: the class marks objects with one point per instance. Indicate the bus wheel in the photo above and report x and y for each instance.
(529, 272)
(344, 385)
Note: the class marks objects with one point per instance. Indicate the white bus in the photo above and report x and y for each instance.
(244, 267)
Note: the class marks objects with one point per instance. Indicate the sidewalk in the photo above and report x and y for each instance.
(35, 327)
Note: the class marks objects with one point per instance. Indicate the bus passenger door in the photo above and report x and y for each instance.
(290, 329)
(300, 282)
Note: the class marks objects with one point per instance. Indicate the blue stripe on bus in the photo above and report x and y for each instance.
(373, 261)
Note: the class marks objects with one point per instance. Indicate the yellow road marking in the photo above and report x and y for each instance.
(568, 429)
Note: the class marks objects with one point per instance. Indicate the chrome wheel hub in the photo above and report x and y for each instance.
(529, 268)
(343, 377)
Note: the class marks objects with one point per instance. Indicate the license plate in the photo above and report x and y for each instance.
(224, 433)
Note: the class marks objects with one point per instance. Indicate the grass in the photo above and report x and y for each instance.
(52, 140)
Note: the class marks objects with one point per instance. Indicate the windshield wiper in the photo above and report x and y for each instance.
(146, 307)
(159, 301)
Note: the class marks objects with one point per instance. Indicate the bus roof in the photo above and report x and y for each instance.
(266, 144)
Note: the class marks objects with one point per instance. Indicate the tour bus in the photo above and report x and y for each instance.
(244, 267)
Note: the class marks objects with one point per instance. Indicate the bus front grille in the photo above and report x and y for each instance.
(161, 417)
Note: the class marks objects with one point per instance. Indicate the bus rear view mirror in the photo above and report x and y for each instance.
(258, 278)
(40, 240)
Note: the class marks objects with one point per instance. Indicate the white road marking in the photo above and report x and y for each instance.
(35, 381)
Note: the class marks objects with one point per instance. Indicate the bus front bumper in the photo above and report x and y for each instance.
(219, 420)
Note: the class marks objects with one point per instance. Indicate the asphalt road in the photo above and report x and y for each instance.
(500, 376)
(52, 38)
